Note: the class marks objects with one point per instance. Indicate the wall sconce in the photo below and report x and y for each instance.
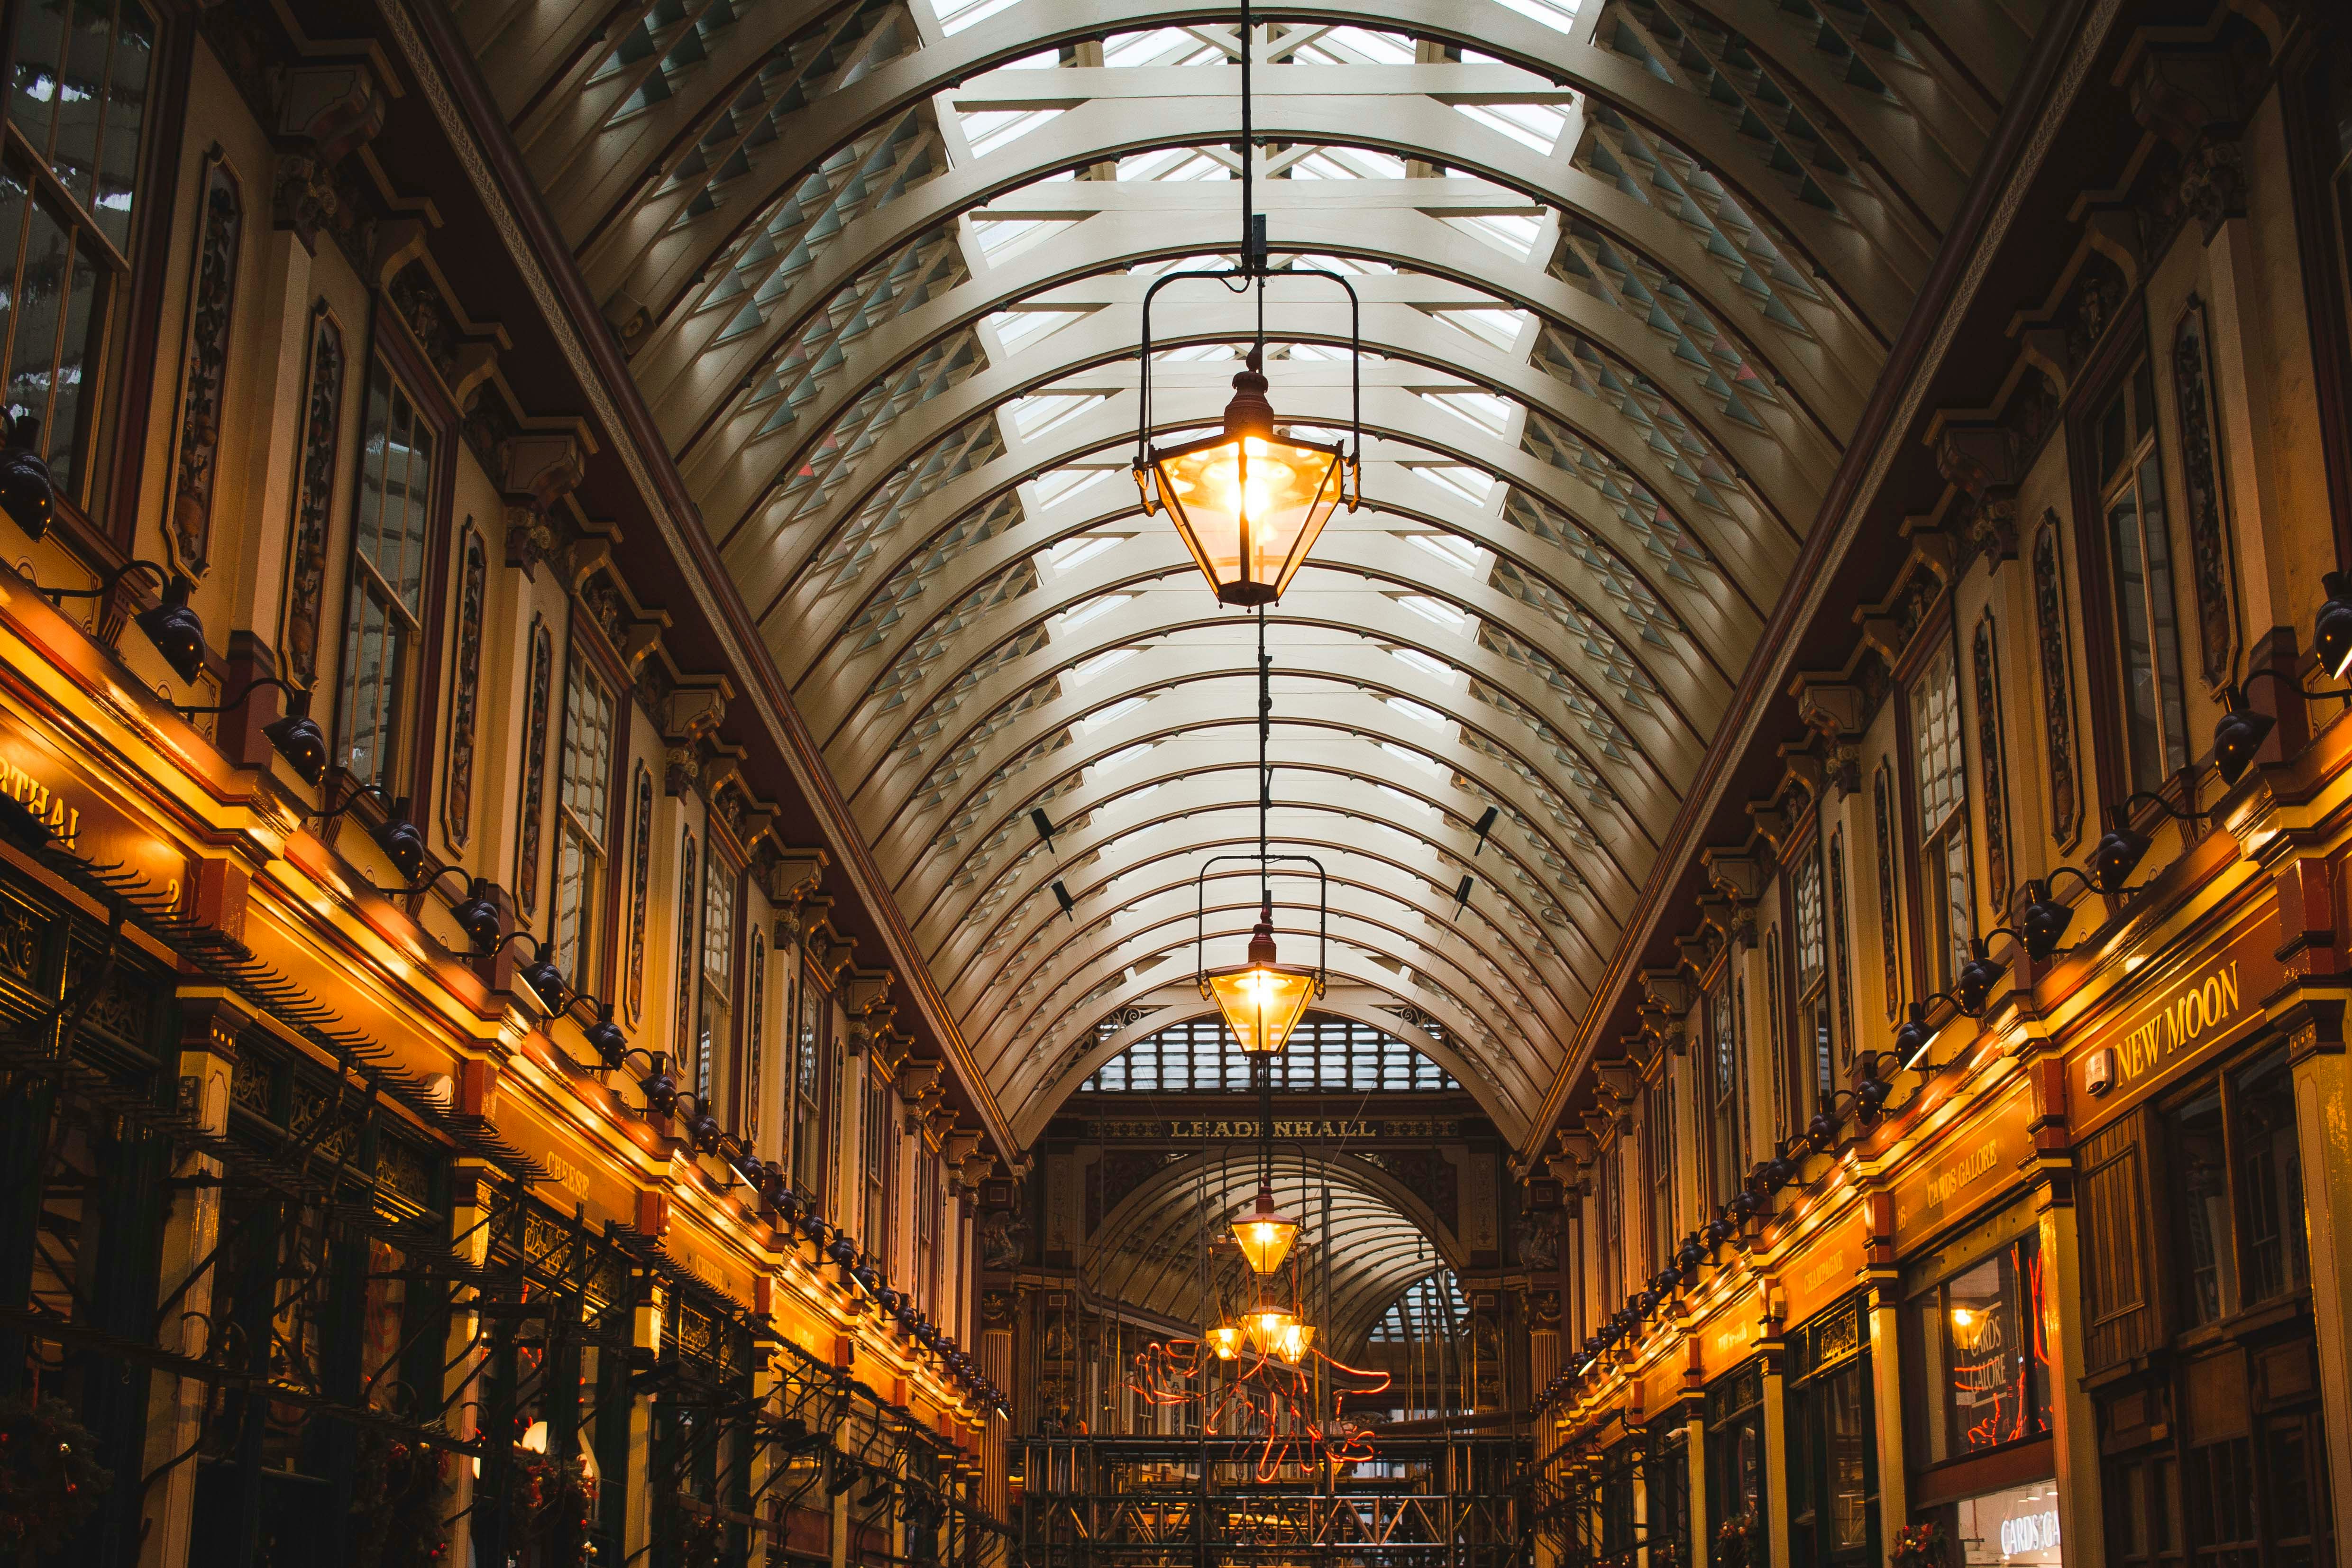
(175, 629)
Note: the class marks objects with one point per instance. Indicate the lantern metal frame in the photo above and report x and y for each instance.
(1249, 415)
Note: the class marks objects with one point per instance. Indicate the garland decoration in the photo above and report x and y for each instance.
(553, 1503)
(1920, 1546)
(51, 1481)
(1736, 1543)
(399, 1503)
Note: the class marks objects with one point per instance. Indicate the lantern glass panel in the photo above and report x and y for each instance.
(1249, 508)
(1262, 1002)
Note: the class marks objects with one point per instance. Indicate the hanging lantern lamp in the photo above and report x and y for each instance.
(1263, 999)
(1250, 501)
(1264, 1235)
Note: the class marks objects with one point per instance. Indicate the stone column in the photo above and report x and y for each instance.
(470, 1239)
(637, 1531)
(1776, 1446)
(2323, 1115)
(210, 1022)
(1883, 1322)
(2075, 1427)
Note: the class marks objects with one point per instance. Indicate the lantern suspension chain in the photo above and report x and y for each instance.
(1265, 739)
(1253, 250)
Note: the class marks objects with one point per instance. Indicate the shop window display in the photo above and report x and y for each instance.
(1977, 1337)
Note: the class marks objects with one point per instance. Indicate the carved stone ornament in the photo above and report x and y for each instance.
(195, 463)
(314, 500)
(465, 687)
(641, 859)
(2057, 681)
(689, 904)
(537, 698)
(325, 112)
(1882, 795)
(2210, 573)
(1993, 776)
(2213, 186)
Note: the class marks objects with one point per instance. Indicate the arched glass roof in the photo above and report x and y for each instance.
(1629, 271)
(1325, 1056)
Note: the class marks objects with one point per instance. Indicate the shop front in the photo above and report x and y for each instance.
(1972, 1328)
(2200, 1352)
(1833, 1446)
(1736, 1496)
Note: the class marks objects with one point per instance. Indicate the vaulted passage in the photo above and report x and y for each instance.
(1146, 784)
(1628, 272)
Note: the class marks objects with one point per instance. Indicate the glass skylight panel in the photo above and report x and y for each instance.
(1035, 414)
(1019, 328)
(1513, 233)
(1085, 670)
(1537, 125)
(1451, 548)
(1436, 668)
(955, 16)
(1159, 47)
(1425, 762)
(1058, 484)
(1473, 485)
(1420, 712)
(1373, 48)
(990, 128)
(1123, 755)
(1497, 328)
(1558, 14)
(1111, 714)
(1347, 163)
(1001, 238)
(1484, 409)
(1068, 554)
(1436, 610)
(1174, 163)
(1399, 796)
(1072, 619)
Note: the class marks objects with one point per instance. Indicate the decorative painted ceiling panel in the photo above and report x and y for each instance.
(1629, 271)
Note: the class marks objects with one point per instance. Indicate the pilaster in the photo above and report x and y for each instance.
(210, 1022)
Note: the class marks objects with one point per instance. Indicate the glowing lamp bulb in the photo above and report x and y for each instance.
(1265, 1237)
(1262, 1000)
(1225, 1340)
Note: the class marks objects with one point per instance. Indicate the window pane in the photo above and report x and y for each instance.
(2270, 1180)
(2202, 1202)
(40, 301)
(77, 347)
(1812, 950)
(587, 751)
(386, 583)
(81, 99)
(33, 94)
(372, 659)
(572, 889)
(1936, 739)
(717, 922)
(126, 109)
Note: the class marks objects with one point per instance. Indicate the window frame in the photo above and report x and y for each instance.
(594, 929)
(717, 1022)
(810, 1088)
(2109, 482)
(413, 747)
(1935, 952)
(1727, 1111)
(114, 423)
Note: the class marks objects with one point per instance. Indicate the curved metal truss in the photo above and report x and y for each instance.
(1629, 271)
